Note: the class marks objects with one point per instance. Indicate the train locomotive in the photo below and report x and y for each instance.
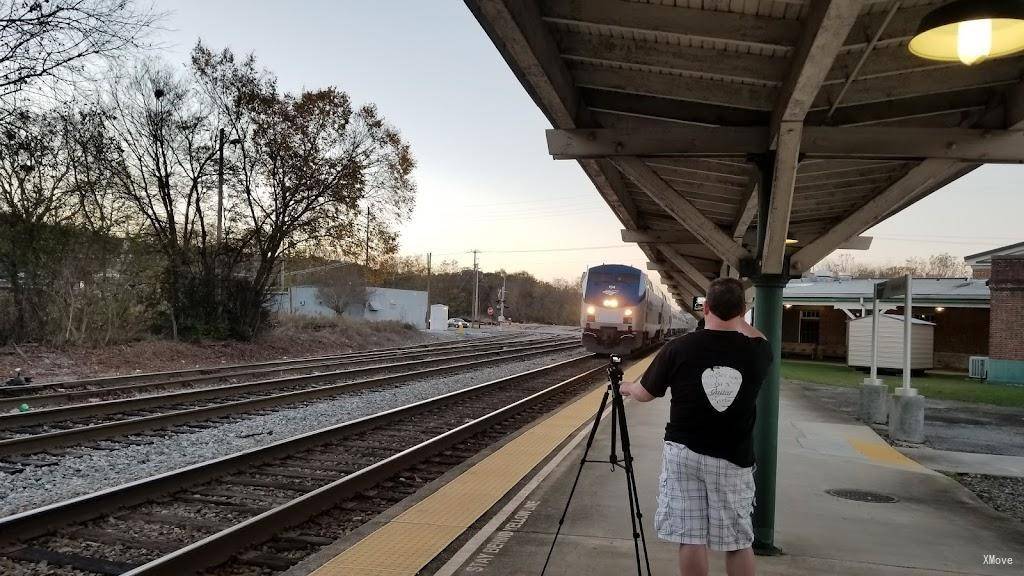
(622, 311)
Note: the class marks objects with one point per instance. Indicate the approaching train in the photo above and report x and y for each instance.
(622, 311)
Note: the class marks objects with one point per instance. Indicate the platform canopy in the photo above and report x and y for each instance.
(754, 137)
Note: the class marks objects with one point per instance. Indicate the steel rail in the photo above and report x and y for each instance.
(217, 548)
(36, 522)
(186, 374)
(280, 370)
(60, 413)
(73, 436)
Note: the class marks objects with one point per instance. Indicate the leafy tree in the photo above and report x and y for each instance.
(306, 167)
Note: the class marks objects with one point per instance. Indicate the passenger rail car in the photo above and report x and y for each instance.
(622, 311)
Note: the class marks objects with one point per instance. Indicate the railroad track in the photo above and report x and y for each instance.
(267, 508)
(52, 393)
(23, 436)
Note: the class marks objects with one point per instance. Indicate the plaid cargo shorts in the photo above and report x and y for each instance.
(704, 500)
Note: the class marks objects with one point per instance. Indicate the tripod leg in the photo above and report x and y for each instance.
(631, 487)
(618, 414)
(579, 472)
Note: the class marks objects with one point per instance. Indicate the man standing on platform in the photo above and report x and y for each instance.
(706, 492)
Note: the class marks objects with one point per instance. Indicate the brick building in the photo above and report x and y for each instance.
(818, 308)
(1006, 354)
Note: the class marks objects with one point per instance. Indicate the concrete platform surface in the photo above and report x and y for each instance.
(966, 462)
(935, 527)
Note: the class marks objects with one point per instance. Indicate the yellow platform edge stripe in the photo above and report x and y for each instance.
(880, 451)
(403, 546)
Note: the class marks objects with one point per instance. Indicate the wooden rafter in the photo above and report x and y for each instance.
(688, 269)
(826, 27)
(682, 210)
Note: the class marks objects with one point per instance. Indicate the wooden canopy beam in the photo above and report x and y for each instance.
(747, 211)
(824, 30)
(959, 144)
(689, 270)
(923, 178)
(780, 205)
(926, 176)
(682, 210)
(522, 37)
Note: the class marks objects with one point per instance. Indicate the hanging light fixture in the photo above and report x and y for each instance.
(971, 31)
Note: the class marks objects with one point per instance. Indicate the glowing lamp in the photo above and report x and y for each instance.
(971, 31)
(939, 308)
(591, 310)
(628, 312)
(611, 303)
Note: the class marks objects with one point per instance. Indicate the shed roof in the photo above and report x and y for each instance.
(896, 317)
(682, 112)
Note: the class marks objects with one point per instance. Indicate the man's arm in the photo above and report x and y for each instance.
(635, 391)
(749, 331)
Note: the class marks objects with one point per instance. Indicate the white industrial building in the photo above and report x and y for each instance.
(408, 306)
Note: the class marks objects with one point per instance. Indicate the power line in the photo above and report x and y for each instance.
(572, 249)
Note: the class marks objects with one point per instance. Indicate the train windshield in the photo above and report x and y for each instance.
(607, 283)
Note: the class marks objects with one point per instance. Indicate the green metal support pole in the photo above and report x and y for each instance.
(767, 319)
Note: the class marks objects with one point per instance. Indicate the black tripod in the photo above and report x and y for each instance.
(626, 463)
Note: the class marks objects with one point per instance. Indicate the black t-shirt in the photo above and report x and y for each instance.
(715, 376)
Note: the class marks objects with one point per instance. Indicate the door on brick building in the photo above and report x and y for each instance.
(810, 326)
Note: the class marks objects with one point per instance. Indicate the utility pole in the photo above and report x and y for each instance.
(476, 287)
(220, 184)
(429, 254)
(367, 261)
(501, 299)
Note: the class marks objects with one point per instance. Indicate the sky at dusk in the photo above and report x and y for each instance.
(484, 178)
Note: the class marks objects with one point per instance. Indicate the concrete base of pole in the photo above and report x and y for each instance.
(906, 417)
(874, 401)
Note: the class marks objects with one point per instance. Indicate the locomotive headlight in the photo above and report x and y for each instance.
(628, 312)
(591, 310)
(611, 303)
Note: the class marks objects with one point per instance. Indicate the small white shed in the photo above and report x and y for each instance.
(890, 343)
(438, 318)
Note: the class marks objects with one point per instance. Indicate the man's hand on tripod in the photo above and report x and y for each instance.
(636, 391)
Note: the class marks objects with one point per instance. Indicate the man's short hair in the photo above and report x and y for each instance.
(726, 298)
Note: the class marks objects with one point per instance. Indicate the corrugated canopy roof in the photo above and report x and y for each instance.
(684, 114)
(924, 290)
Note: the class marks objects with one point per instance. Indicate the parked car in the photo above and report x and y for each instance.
(457, 323)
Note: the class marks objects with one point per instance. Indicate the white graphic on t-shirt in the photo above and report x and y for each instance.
(721, 384)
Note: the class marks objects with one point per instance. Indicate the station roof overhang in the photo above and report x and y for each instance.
(753, 137)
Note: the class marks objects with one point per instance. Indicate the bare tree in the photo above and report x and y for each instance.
(340, 287)
(936, 266)
(166, 146)
(59, 39)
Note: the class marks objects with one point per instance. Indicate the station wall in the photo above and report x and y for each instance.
(959, 333)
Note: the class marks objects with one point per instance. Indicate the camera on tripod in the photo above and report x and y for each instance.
(619, 434)
(615, 369)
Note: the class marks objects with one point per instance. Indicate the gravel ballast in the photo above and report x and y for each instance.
(99, 469)
(1003, 493)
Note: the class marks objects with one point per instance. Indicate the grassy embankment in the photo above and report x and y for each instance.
(938, 386)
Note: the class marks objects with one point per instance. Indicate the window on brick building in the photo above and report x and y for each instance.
(810, 326)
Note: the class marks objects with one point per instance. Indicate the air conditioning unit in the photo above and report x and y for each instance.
(978, 367)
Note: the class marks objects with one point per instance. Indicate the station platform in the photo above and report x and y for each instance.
(502, 519)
